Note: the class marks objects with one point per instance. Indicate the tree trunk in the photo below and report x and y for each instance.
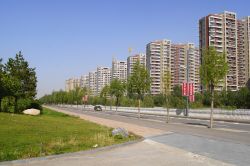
(116, 104)
(139, 108)
(212, 108)
(110, 103)
(167, 110)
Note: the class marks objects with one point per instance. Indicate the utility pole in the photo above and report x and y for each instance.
(187, 70)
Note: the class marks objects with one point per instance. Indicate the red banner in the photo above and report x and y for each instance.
(191, 89)
(184, 89)
(191, 98)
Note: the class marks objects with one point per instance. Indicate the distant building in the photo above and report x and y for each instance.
(131, 60)
(84, 81)
(185, 56)
(243, 51)
(158, 60)
(103, 77)
(177, 59)
(119, 70)
(72, 84)
(92, 82)
(220, 31)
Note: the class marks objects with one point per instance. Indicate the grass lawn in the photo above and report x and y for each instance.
(24, 136)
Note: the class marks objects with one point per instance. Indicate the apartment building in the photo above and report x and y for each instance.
(185, 63)
(119, 70)
(243, 51)
(92, 82)
(103, 77)
(220, 31)
(84, 81)
(72, 84)
(158, 60)
(131, 60)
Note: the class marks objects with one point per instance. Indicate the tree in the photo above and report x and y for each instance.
(212, 70)
(18, 69)
(139, 83)
(104, 94)
(166, 89)
(117, 89)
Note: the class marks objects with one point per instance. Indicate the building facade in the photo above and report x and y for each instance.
(158, 60)
(119, 70)
(103, 77)
(131, 61)
(92, 82)
(220, 31)
(72, 84)
(243, 51)
(185, 63)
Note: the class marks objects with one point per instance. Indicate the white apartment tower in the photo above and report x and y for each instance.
(158, 60)
(119, 70)
(72, 84)
(92, 82)
(131, 60)
(103, 77)
(220, 31)
(84, 81)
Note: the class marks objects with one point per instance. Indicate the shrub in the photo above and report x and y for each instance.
(148, 101)
(26, 103)
(8, 104)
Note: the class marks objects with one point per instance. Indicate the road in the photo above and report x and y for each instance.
(236, 132)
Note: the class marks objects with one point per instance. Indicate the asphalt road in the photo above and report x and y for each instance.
(225, 131)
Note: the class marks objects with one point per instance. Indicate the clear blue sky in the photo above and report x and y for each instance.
(68, 38)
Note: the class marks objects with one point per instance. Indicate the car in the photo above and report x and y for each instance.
(98, 108)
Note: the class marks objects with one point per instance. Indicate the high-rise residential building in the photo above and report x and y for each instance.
(243, 51)
(220, 31)
(72, 84)
(119, 70)
(103, 77)
(84, 81)
(92, 82)
(158, 60)
(131, 60)
(185, 62)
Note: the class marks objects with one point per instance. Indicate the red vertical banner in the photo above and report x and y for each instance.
(191, 89)
(191, 98)
(184, 89)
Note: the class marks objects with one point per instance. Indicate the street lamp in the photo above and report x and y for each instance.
(187, 79)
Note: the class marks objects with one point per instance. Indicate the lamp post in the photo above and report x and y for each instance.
(186, 113)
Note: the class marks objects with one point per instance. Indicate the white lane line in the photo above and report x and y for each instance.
(232, 130)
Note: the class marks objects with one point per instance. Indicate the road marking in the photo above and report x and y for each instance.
(232, 130)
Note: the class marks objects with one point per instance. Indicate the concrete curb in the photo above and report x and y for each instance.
(51, 157)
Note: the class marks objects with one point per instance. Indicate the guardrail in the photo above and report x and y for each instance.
(238, 115)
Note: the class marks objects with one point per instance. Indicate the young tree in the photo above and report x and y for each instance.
(117, 89)
(212, 70)
(166, 89)
(139, 83)
(104, 94)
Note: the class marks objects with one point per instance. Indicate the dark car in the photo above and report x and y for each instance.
(98, 108)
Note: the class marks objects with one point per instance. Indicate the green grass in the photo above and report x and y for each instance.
(24, 136)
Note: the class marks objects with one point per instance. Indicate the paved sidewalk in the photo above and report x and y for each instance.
(145, 153)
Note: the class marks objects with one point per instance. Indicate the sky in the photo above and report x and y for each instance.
(69, 38)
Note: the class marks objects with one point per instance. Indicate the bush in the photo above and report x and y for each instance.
(25, 103)
(8, 104)
(148, 101)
